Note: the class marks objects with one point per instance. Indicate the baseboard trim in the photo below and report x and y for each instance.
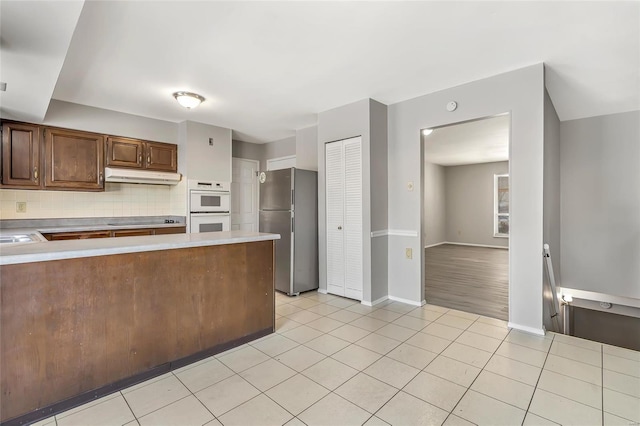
(407, 301)
(476, 245)
(394, 232)
(375, 302)
(527, 329)
(322, 290)
(436, 244)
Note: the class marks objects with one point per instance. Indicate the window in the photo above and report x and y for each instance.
(500, 205)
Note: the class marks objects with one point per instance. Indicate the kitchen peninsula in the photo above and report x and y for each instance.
(84, 318)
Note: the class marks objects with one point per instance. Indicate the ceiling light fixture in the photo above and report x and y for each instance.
(188, 100)
(427, 132)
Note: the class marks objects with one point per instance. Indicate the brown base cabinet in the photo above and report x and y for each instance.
(74, 330)
(83, 235)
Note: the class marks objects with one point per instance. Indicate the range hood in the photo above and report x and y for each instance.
(141, 176)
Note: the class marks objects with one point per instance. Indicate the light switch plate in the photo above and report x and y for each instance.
(408, 252)
(409, 186)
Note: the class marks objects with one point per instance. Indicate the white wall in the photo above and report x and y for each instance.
(520, 92)
(434, 222)
(469, 203)
(307, 148)
(600, 204)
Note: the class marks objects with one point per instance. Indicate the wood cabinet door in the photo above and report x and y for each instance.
(20, 155)
(61, 236)
(172, 230)
(161, 156)
(124, 152)
(132, 232)
(74, 160)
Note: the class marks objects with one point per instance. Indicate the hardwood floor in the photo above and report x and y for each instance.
(470, 279)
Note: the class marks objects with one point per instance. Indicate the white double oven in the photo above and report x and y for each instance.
(209, 206)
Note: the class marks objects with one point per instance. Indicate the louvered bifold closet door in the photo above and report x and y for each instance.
(353, 218)
(334, 170)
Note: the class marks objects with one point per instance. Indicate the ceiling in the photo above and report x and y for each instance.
(473, 142)
(267, 68)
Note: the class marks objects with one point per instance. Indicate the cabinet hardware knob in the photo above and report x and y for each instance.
(140, 158)
(35, 174)
(148, 158)
(339, 228)
(101, 178)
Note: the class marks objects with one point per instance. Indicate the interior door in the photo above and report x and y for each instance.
(334, 175)
(353, 218)
(244, 195)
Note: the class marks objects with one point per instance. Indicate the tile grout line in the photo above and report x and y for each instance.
(468, 387)
(194, 395)
(535, 388)
(602, 380)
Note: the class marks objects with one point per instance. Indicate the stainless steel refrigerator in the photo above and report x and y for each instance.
(289, 207)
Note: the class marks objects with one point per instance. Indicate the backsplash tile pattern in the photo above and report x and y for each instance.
(118, 199)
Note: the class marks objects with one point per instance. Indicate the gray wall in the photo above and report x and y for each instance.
(600, 199)
(204, 161)
(434, 223)
(277, 149)
(379, 199)
(266, 151)
(307, 148)
(469, 201)
(520, 92)
(90, 119)
(336, 124)
(247, 150)
(551, 213)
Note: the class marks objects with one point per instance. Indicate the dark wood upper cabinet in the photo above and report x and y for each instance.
(73, 160)
(133, 153)
(161, 156)
(20, 155)
(124, 152)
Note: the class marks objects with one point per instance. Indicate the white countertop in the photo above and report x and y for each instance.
(69, 249)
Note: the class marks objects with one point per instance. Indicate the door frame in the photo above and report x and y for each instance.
(255, 182)
(273, 160)
(423, 212)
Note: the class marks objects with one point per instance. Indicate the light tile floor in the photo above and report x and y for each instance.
(333, 361)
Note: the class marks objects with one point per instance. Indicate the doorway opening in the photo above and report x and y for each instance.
(465, 224)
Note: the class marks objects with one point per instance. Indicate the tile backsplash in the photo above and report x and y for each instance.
(118, 199)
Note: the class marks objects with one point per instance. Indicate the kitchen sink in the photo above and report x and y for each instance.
(20, 237)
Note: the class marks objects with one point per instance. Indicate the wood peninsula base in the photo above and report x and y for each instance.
(73, 330)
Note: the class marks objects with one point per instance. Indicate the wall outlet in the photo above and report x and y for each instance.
(21, 207)
(408, 252)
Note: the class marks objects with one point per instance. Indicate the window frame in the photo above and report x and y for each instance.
(496, 214)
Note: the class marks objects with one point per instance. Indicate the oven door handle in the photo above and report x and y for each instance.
(225, 213)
